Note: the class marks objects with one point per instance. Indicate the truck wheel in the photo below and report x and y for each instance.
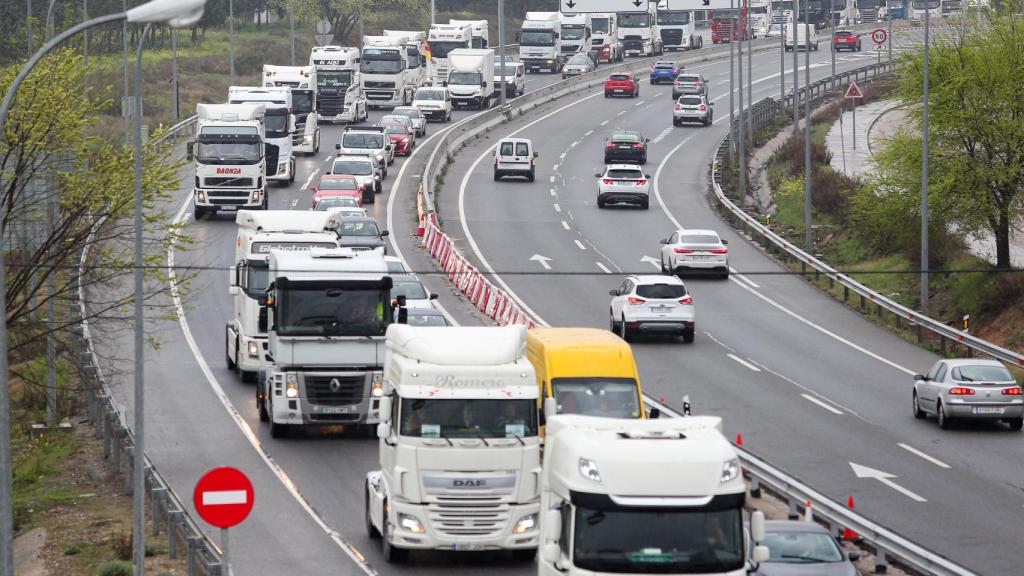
(371, 530)
(261, 405)
(291, 177)
(228, 358)
(392, 555)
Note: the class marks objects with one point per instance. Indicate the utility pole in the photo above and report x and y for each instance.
(750, 76)
(732, 82)
(924, 168)
(782, 57)
(808, 232)
(433, 13)
(501, 46)
(28, 24)
(832, 42)
(741, 135)
(174, 72)
(127, 104)
(291, 26)
(231, 40)
(361, 33)
(796, 72)
(888, 12)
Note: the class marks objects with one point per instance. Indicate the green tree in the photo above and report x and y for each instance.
(344, 16)
(976, 132)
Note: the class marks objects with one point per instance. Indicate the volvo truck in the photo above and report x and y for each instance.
(677, 29)
(539, 47)
(644, 496)
(303, 83)
(471, 79)
(278, 124)
(416, 61)
(459, 446)
(339, 90)
(637, 31)
(442, 39)
(384, 70)
(258, 234)
(605, 37)
(327, 312)
(231, 155)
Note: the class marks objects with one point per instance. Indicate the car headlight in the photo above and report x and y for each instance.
(380, 157)
(525, 524)
(254, 348)
(588, 469)
(730, 470)
(291, 385)
(411, 524)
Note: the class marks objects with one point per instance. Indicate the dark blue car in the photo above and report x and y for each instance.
(664, 71)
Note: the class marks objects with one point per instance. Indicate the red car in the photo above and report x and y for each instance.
(401, 138)
(621, 84)
(341, 185)
(845, 40)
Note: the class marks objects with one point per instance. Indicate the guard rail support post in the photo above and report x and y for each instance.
(846, 293)
(831, 283)
(863, 303)
(173, 519)
(190, 560)
(157, 496)
(755, 487)
(899, 321)
(942, 344)
(128, 467)
(920, 334)
(108, 436)
(881, 566)
(793, 514)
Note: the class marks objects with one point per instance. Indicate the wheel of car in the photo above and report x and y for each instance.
(652, 81)
(918, 413)
(532, 176)
(944, 421)
(624, 332)
(675, 122)
(645, 203)
(1016, 423)
(600, 203)
(497, 176)
(606, 95)
(664, 269)
(688, 336)
(613, 326)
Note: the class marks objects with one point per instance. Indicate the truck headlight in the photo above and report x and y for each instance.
(588, 469)
(411, 524)
(525, 524)
(254, 349)
(730, 470)
(201, 196)
(282, 167)
(377, 385)
(256, 195)
(291, 385)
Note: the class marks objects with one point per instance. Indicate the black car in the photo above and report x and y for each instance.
(361, 233)
(626, 146)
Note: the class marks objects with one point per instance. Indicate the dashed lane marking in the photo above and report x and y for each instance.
(744, 362)
(814, 400)
(580, 245)
(603, 268)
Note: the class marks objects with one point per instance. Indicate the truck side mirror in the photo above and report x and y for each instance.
(550, 407)
(337, 145)
(190, 150)
(757, 527)
(233, 287)
(518, 35)
(383, 431)
(553, 522)
(384, 409)
(654, 414)
(550, 553)
(483, 83)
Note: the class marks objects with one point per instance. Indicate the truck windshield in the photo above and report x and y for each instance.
(330, 311)
(666, 18)
(334, 79)
(606, 397)
(468, 418)
(537, 38)
(634, 20)
(573, 31)
(276, 125)
(227, 152)
(257, 276)
(465, 78)
(658, 541)
(440, 49)
(599, 25)
(302, 101)
(383, 63)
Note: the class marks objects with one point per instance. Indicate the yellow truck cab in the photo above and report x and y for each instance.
(585, 371)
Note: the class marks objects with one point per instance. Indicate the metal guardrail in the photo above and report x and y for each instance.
(168, 511)
(768, 108)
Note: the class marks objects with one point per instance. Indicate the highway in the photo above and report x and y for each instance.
(810, 385)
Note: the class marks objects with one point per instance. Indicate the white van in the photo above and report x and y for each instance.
(802, 42)
(434, 102)
(515, 157)
(515, 77)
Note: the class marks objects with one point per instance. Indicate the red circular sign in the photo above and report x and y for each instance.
(224, 497)
(879, 36)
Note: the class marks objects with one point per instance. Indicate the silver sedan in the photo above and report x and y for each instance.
(969, 388)
(578, 64)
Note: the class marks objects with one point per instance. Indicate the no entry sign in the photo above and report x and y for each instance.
(224, 497)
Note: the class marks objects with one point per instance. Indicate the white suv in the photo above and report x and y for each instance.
(691, 249)
(623, 184)
(368, 141)
(652, 305)
(434, 102)
(515, 157)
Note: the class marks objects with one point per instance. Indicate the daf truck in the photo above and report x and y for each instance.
(327, 312)
(637, 32)
(303, 83)
(480, 36)
(339, 90)
(471, 79)
(539, 46)
(231, 155)
(258, 234)
(278, 123)
(442, 39)
(605, 37)
(644, 496)
(575, 34)
(384, 70)
(677, 29)
(459, 445)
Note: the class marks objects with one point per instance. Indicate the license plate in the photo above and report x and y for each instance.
(988, 410)
(661, 309)
(701, 257)
(334, 409)
(619, 90)
(468, 547)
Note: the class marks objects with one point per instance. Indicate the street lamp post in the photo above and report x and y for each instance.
(501, 48)
(231, 40)
(832, 41)
(28, 23)
(175, 13)
(740, 132)
(732, 82)
(796, 71)
(291, 26)
(808, 234)
(924, 168)
(750, 76)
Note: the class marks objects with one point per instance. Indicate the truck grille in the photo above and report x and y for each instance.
(672, 37)
(329, 390)
(868, 15)
(331, 104)
(229, 181)
(368, 85)
(459, 517)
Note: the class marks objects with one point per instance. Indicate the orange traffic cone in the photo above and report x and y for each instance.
(421, 229)
(847, 533)
(739, 440)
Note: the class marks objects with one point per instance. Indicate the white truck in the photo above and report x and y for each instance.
(443, 38)
(416, 61)
(278, 123)
(231, 156)
(302, 81)
(637, 31)
(575, 34)
(471, 79)
(479, 33)
(539, 42)
(339, 90)
(258, 234)
(605, 37)
(643, 496)
(459, 445)
(327, 311)
(384, 71)
(677, 29)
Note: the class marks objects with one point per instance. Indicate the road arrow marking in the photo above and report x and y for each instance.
(543, 261)
(884, 478)
(652, 261)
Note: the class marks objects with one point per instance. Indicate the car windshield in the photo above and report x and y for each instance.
(844, 33)
(688, 79)
(355, 167)
(606, 397)
(302, 102)
(429, 95)
(619, 77)
(396, 129)
(634, 20)
(311, 309)
(359, 228)
(469, 418)
(507, 70)
(276, 125)
(691, 101)
(337, 184)
(358, 140)
(439, 49)
(407, 112)
(659, 540)
(698, 239)
(395, 119)
(624, 174)
(665, 65)
(337, 202)
(384, 64)
(599, 25)
(573, 32)
(426, 320)
(801, 547)
(625, 138)
(979, 373)
(667, 18)
(661, 291)
(579, 59)
(411, 289)
(537, 38)
(464, 78)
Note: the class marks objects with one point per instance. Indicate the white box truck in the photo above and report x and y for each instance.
(258, 234)
(278, 123)
(643, 496)
(471, 77)
(443, 38)
(539, 47)
(303, 83)
(459, 445)
(339, 90)
(231, 155)
(327, 311)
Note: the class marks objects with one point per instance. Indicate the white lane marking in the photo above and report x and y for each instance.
(742, 277)
(603, 267)
(552, 179)
(295, 202)
(652, 261)
(640, 103)
(812, 392)
(662, 135)
(744, 362)
(554, 168)
(552, 191)
(565, 225)
(884, 478)
(542, 259)
(351, 551)
(310, 179)
(814, 400)
(580, 245)
(573, 145)
(221, 497)
(917, 452)
(328, 157)
(558, 208)
(605, 122)
(621, 113)
(562, 155)
(719, 342)
(588, 132)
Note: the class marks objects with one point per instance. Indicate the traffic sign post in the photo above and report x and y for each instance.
(223, 497)
(687, 5)
(323, 33)
(586, 6)
(879, 36)
(852, 93)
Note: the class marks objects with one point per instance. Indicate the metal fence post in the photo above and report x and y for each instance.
(881, 566)
(157, 496)
(173, 519)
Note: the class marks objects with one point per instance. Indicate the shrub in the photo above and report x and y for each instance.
(832, 191)
(115, 568)
(121, 542)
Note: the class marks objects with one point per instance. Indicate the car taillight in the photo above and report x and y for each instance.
(696, 85)
(677, 84)
(686, 300)
(701, 107)
(683, 251)
(720, 251)
(638, 145)
(610, 145)
(641, 182)
(636, 301)
(608, 181)
(961, 391)
(679, 107)
(652, 69)
(1015, 391)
